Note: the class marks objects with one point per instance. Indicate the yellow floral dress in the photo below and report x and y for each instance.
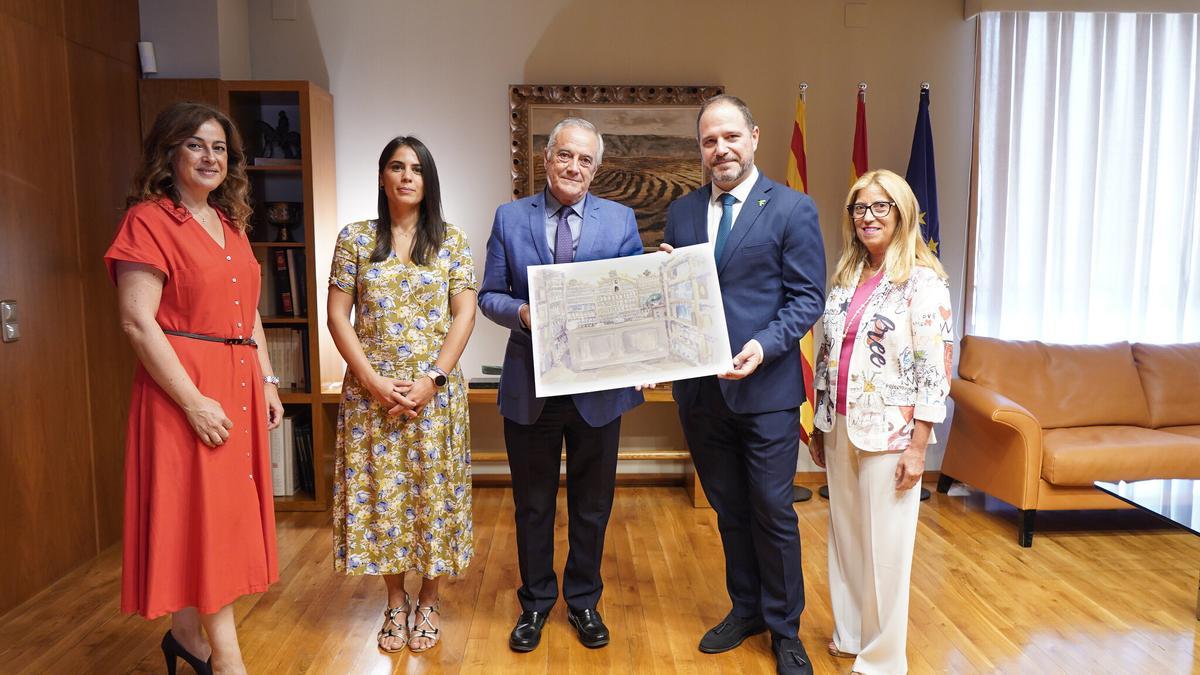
(402, 489)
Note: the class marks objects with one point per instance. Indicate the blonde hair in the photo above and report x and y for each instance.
(906, 250)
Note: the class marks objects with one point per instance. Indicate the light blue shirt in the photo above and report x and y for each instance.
(574, 221)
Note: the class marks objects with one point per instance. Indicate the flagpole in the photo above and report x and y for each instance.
(925, 494)
(801, 493)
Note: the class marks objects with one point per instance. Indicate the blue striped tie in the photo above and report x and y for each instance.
(727, 201)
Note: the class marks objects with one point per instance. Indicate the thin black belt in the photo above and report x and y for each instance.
(209, 338)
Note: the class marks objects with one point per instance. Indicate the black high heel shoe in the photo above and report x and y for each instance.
(173, 651)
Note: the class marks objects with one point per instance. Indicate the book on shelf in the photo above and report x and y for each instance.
(266, 290)
(283, 282)
(287, 282)
(275, 161)
(283, 463)
(295, 262)
(304, 462)
(288, 350)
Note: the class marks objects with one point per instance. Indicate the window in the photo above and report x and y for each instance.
(1086, 228)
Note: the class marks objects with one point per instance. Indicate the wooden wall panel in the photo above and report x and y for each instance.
(157, 94)
(104, 127)
(46, 490)
(45, 15)
(109, 27)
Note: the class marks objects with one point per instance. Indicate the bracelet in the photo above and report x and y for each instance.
(271, 379)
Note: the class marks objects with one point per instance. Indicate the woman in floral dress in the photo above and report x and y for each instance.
(402, 493)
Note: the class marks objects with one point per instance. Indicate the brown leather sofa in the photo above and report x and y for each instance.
(1035, 424)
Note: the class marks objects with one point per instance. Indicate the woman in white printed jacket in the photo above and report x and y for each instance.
(882, 378)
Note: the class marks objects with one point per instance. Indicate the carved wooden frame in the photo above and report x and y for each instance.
(520, 96)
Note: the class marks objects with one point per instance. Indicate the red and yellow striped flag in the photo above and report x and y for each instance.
(797, 179)
(858, 158)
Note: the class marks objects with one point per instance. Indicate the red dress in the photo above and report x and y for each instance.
(199, 521)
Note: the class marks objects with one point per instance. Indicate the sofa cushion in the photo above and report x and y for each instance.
(1112, 453)
(1171, 379)
(1062, 385)
(1192, 430)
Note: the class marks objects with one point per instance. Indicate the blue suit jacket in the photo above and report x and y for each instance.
(518, 240)
(772, 275)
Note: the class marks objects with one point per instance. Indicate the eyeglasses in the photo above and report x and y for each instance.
(564, 158)
(879, 209)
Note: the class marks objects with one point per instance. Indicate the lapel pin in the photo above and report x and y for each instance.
(762, 202)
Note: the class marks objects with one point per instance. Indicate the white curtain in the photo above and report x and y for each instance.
(1086, 225)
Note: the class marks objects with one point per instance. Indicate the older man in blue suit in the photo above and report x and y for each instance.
(743, 427)
(564, 223)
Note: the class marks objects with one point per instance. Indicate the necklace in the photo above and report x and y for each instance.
(858, 312)
(856, 315)
(200, 216)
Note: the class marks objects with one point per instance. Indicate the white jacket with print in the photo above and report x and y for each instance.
(901, 362)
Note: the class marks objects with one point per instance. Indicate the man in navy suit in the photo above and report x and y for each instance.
(562, 224)
(743, 427)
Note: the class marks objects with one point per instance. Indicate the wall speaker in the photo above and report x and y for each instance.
(146, 54)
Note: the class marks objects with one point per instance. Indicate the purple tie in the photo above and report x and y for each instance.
(562, 238)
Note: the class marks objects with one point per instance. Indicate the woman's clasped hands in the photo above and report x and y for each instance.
(402, 397)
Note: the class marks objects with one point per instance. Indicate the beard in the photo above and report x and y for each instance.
(730, 173)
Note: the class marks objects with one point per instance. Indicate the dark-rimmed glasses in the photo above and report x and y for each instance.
(858, 210)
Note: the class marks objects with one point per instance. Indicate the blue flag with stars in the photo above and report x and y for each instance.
(920, 176)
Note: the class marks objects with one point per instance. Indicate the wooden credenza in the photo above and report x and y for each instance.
(650, 433)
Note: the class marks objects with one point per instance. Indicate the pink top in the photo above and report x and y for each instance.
(853, 320)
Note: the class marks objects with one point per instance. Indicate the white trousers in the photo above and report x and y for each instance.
(872, 528)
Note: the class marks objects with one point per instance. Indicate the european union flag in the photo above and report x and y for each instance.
(920, 175)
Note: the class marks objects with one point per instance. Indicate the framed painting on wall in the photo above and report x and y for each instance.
(651, 156)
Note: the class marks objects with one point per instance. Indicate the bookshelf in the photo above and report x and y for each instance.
(300, 193)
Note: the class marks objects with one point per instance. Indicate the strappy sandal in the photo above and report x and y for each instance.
(394, 629)
(434, 635)
(834, 651)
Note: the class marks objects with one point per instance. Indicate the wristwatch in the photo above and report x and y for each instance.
(438, 375)
(271, 379)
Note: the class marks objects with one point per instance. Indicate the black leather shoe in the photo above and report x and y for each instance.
(592, 631)
(790, 658)
(527, 633)
(730, 633)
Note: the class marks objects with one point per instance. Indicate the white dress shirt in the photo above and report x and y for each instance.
(740, 193)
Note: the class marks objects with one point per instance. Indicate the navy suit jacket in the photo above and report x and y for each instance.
(772, 275)
(518, 240)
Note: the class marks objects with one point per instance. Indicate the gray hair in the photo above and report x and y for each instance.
(729, 99)
(580, 123)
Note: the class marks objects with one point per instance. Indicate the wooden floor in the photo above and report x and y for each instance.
(1098, 593)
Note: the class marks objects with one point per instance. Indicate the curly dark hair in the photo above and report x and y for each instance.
(174, 125)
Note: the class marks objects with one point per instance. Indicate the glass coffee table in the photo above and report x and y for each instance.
(1173, 500)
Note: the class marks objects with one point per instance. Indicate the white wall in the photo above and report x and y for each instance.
(184, 33)
(198, 38)
(440, 70)
(233, 38)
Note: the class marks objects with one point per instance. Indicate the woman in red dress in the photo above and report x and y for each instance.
(199, 511)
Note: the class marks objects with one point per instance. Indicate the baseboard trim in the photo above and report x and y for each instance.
(818, 477)
(623, 480)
